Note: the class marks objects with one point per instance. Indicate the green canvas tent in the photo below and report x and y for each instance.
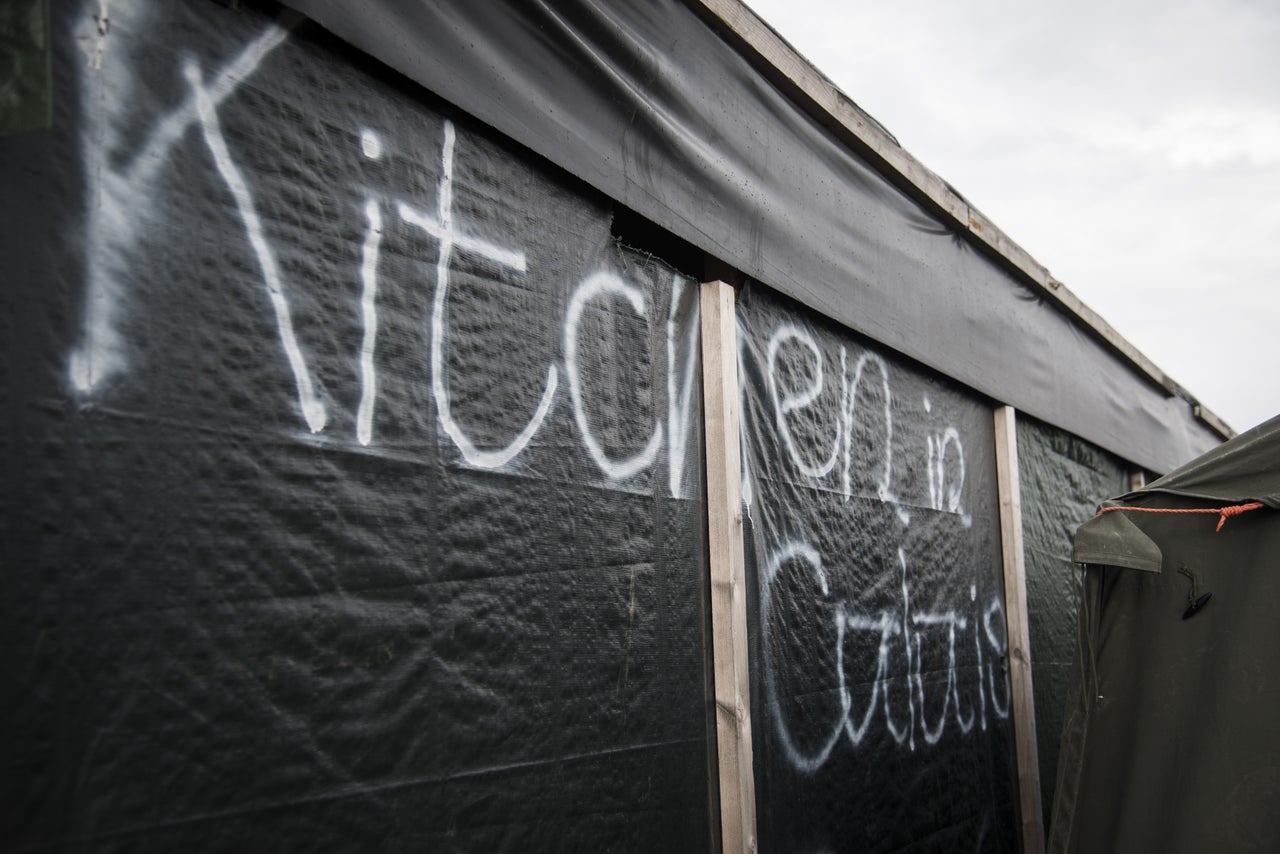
(1172, 733)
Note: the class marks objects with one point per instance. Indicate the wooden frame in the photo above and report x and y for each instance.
(1015, 606)
(728, 573)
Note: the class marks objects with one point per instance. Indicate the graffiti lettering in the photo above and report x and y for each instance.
(112, 233)
(852, 453)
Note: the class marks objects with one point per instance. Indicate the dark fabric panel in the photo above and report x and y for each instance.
(352, 494)
(1063, 480)
(645, 102)
(880, 692)
(1170, 742)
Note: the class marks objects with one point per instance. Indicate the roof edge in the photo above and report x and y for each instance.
(783, 65)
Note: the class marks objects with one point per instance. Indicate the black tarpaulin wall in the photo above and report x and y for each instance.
(353, 468)
(1062, 481)
(1170, 742)
(880, 693)
(646, 102)
(353, 492)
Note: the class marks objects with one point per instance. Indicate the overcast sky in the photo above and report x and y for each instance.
(1131, 146)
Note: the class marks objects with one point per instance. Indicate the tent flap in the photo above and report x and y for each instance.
(1111, 539)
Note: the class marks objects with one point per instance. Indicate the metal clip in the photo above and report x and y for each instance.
(1194, 603)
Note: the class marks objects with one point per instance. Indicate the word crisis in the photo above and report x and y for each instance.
(896, 691)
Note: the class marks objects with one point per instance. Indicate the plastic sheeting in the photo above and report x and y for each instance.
(1063, 480)
(352, 493)
(880, 694)
(647, 103)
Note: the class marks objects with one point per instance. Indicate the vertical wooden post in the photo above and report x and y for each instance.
(1015, 607)
(728, 575)
(1137, 479)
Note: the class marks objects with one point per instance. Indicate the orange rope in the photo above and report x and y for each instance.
(1223, 512)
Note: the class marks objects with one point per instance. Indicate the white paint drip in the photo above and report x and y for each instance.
(846, 420)
(679, 399)
(951, 439)
(1002, 647)
(369, 316)
(748, 488)
(906, 612)
(977, 645)
(312, 408)
(935, 472)
(594, 287)
(442, 228)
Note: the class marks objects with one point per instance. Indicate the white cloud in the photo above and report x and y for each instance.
(1201, 139)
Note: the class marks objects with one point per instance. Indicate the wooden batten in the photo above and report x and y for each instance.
(1015, 605)
(728, 572)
